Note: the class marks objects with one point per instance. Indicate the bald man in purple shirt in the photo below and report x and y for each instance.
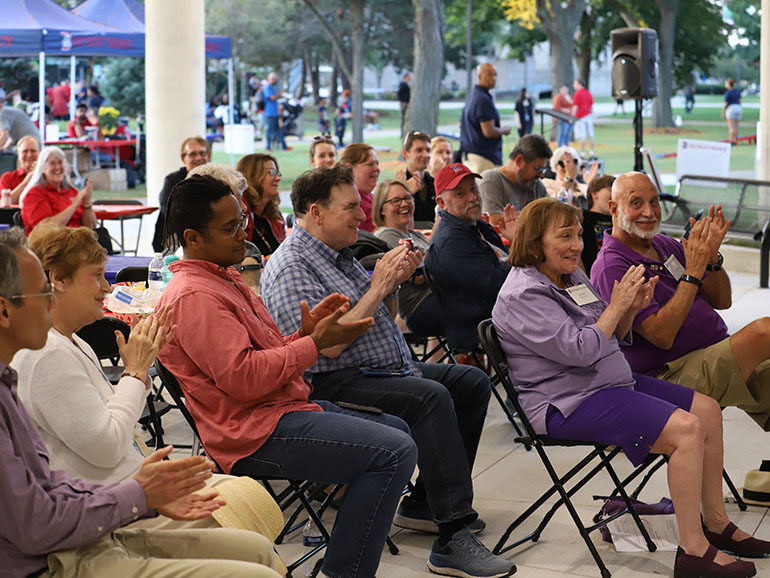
(679, 336)
(54, 525)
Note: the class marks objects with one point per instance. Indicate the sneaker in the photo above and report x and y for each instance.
(465, 556)
(417, 516)
(288, 148)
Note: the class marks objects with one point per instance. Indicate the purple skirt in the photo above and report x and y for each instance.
(630, 418)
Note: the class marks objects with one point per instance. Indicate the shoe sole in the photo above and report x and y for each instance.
(688, 573)
(444, 571)
(426, 526)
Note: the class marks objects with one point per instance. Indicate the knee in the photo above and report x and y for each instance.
(758, 331)
(689, 430)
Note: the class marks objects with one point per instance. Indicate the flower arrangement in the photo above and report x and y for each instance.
(108, 119)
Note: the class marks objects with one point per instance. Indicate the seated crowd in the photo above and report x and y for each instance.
(610, 330)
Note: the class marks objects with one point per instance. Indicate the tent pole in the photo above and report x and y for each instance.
(41, 97)
(72, 86)
(231, 104)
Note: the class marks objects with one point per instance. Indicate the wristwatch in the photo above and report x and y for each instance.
(691, 279)
(718, 265)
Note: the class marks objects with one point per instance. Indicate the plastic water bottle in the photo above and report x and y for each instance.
(311, 535)
(155, 273)
(563, 195)
(165, 273)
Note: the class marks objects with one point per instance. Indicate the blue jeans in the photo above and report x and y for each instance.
(445, 410)
(274, 133)
(375, 456)
(565, 134)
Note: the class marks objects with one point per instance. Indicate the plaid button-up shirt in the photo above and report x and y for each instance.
(306, 269)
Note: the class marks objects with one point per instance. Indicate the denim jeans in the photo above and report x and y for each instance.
(274, 133)
(565, 134)
(445, 410)
(375, 456)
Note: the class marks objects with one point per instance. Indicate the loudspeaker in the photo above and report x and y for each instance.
(634, 63)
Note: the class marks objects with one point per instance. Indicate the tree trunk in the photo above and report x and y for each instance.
(357, 34)
(422, 113)
(299, 92)
(583, 54)
(560, 22)
(315, 77)
(661, 106)
(333, 82)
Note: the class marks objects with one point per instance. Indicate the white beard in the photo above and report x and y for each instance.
(633, 229)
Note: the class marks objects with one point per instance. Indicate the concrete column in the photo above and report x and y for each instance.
(175, 84)
(763, 141)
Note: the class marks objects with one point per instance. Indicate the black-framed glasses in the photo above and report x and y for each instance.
(233, 231)
(414, 134)
(49, 294)
(273, 173)
(399, 200)
(539, 170)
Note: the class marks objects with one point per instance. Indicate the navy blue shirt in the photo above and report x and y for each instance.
(733, 96)
(480, 107)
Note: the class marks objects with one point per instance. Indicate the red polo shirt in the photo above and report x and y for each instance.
(42, 202)
(584, 102)
(12, 179)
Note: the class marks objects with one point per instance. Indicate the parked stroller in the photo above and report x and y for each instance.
(292, 121)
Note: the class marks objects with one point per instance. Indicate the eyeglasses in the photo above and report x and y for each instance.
(326, 137)
(233, 231)
(274, 172)
(539, 170)
(412, 135)
(195, 154)
(49, 294)
(399, 200)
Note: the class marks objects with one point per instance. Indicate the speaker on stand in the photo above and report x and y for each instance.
(635, 75)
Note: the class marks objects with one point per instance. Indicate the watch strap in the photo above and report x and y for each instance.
(691, 279)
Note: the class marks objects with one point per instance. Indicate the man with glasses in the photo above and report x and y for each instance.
(416, 153)
(55, 525)
(467, 259)
(195, 152)
(443, 404)
(243, 381)
(516, 183)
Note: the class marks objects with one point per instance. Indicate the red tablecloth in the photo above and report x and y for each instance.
(108, 212)
(92, 144)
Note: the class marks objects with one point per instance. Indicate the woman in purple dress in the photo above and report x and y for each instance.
(561, 341)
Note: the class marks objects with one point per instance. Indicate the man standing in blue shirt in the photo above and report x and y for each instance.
(272, 93)
(481, 136)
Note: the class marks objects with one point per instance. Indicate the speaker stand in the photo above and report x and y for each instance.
(638, 137)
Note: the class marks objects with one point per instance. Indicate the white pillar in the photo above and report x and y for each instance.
(764, 97)
(175, 84)
(41, 96)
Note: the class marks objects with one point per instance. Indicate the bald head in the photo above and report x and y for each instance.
(635, 206)
(486, 76)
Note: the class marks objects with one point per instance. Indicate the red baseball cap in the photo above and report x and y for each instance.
(449, 177)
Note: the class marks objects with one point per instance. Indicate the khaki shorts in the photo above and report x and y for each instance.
(479, 164)
(714, 372)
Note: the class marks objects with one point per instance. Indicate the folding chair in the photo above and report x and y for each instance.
(605, 454)
(295, 498)
(100, 335)
(131, 274)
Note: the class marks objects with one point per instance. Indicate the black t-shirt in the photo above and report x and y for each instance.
(425, 199)
(594, 225)
(404, 92)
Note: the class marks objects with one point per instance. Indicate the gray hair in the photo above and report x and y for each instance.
(38, 178)
(560, 152)
(228, 175)
(11, 240)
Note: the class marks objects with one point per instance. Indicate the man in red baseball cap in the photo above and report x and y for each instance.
(467, 258)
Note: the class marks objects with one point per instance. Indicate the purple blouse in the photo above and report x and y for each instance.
(556, 354)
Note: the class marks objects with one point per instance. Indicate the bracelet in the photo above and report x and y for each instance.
(86, 207)
(691, 279)
(718, 265)
(134, 374)
(395, 293)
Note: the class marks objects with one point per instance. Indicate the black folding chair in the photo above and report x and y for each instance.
(100, 335)
(605, 454)
(295, 498)
(131, 274)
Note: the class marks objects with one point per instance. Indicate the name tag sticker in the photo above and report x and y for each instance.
(674, 267)
(581, 294)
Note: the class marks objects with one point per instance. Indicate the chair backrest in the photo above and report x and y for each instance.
(132, 274)
(490, 343)
(434, 286)
(171, 383)
(100, 335)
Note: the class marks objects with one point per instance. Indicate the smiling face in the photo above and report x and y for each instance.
(527, 173)
(464, 201)
(442, 150)
(82, 295)
(636, 210)
(365, 174)
(270, 182)
(398, 208)
(324, 155)
(213, 243)
(54, 171)
(562, 245)
(194, 155)
(28, 152)
(338, 222)
(417, 156)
